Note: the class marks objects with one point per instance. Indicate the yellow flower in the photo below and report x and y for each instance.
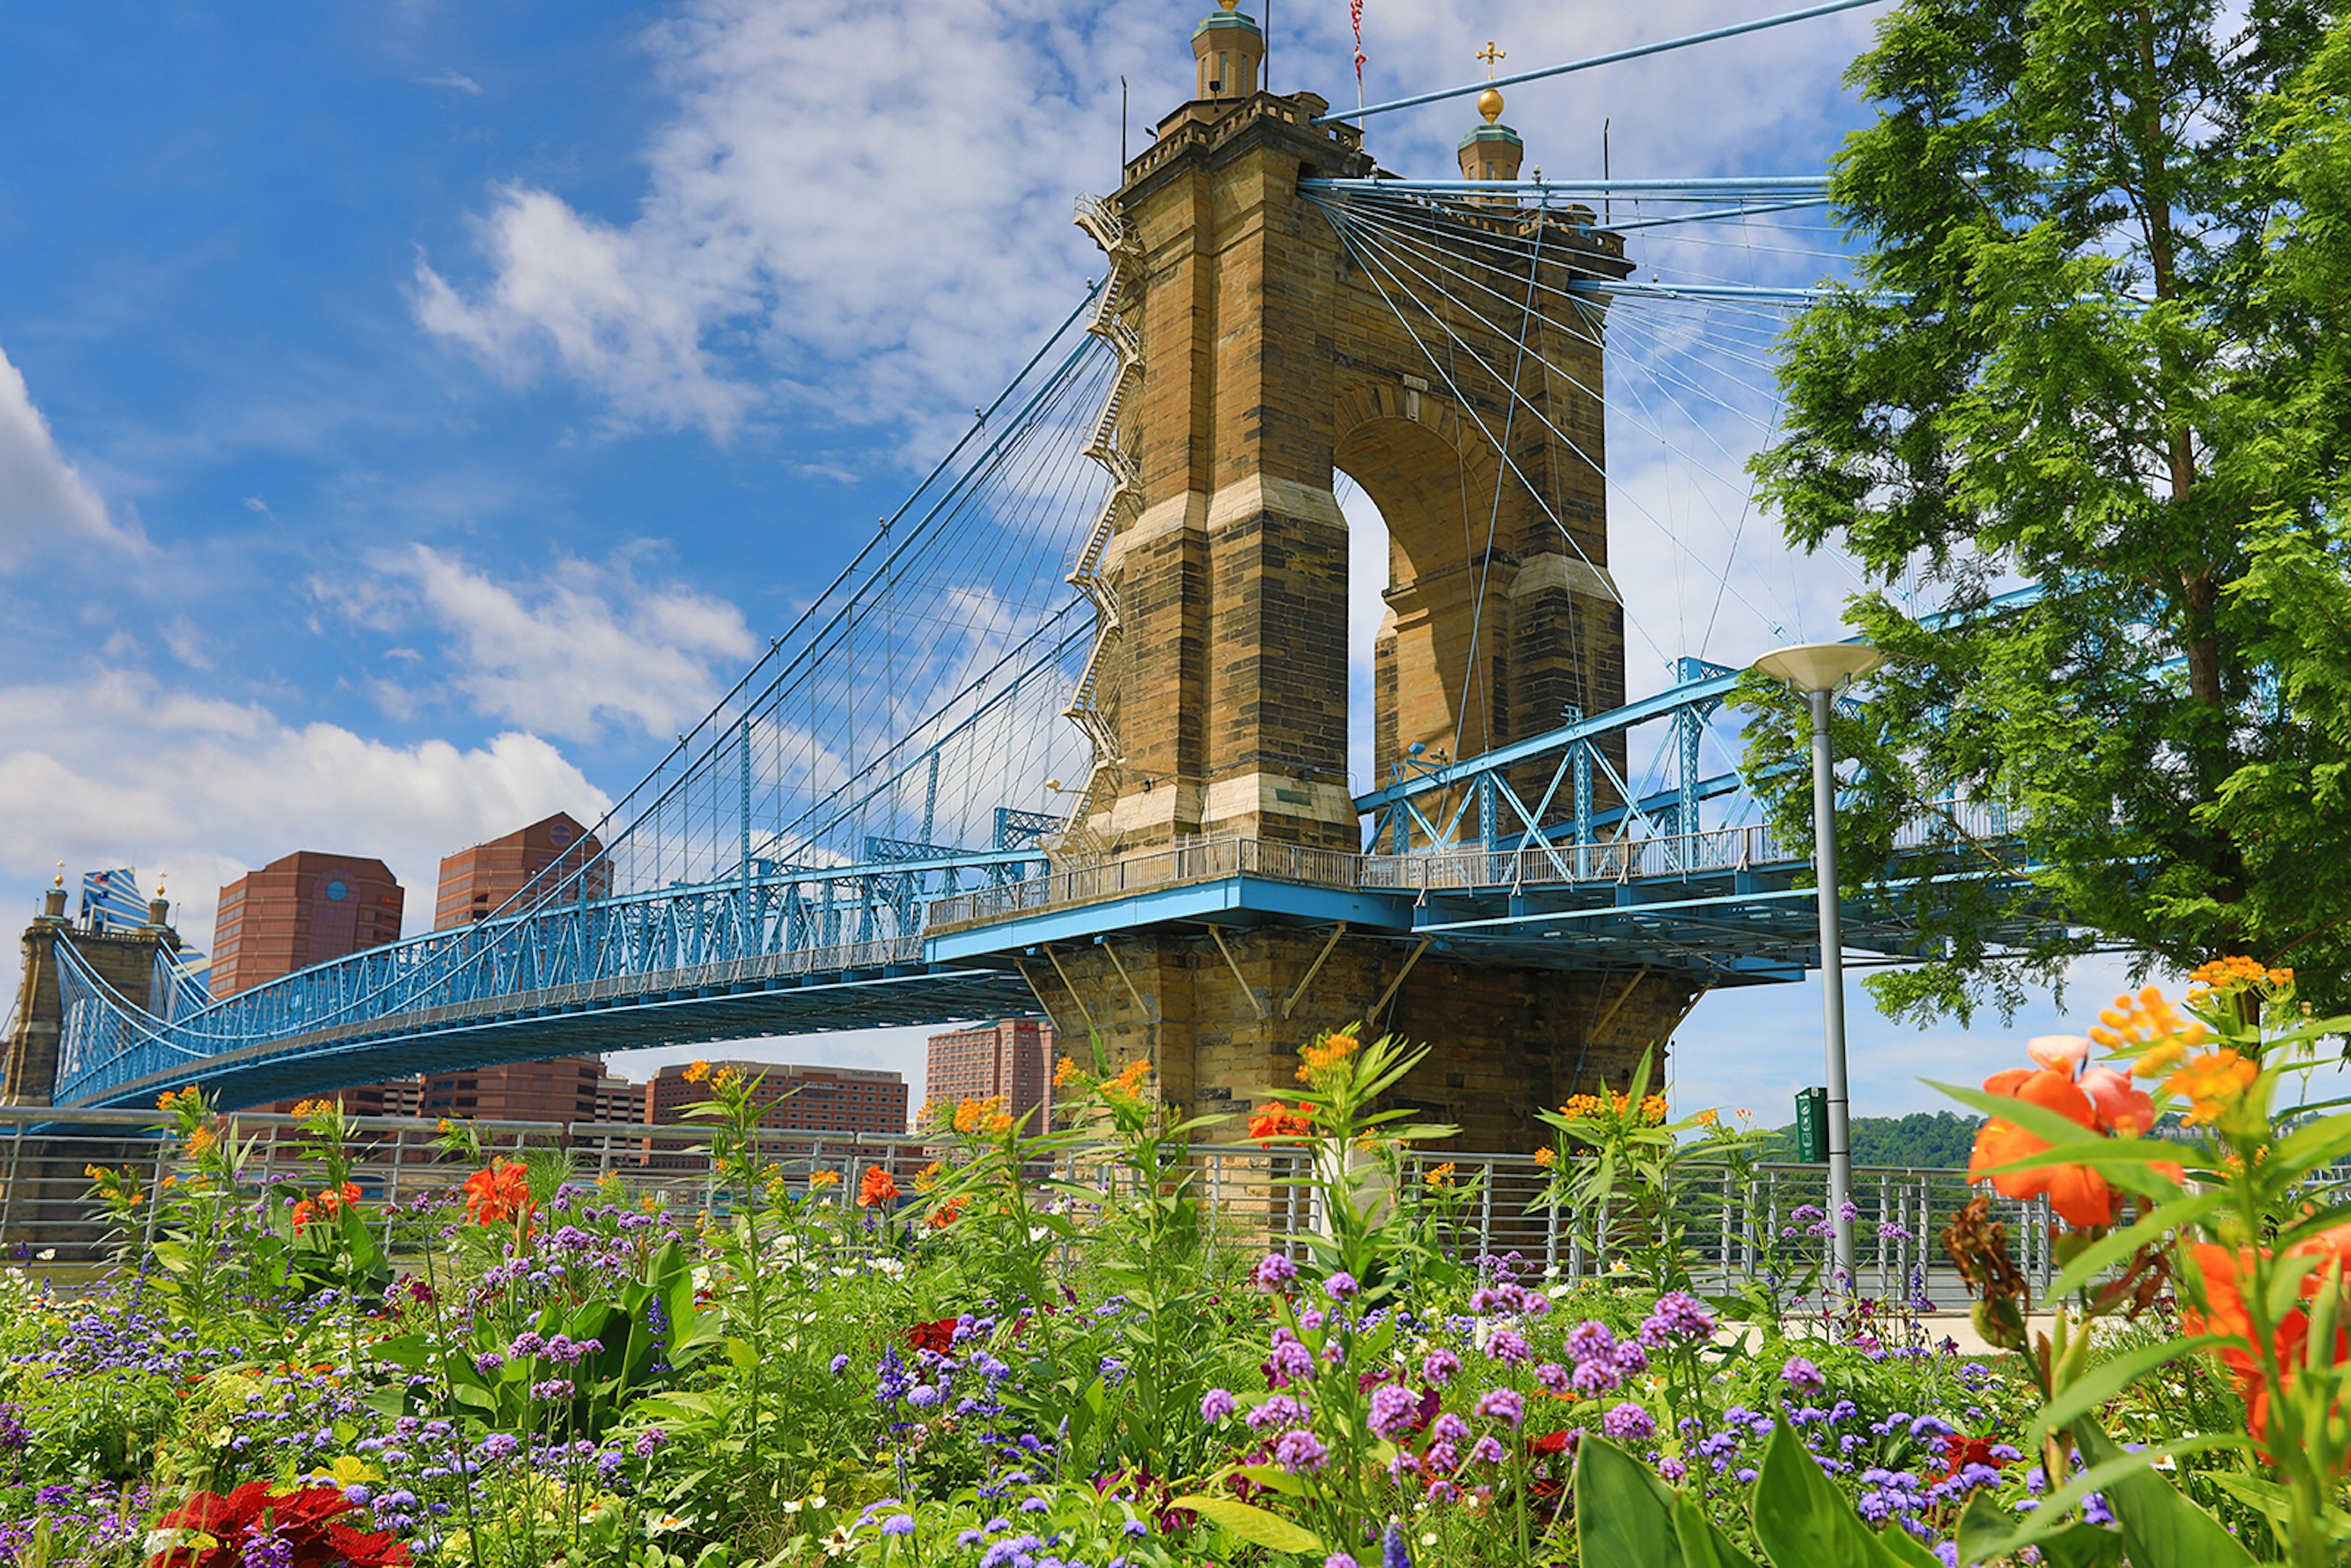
(725, 1078)
(927, 1178)
(1652, 1109)
(199, 1142)
(1064, 1071)
(2145, 1019)
(1441, 1177)
(1130, 1077)
(1325, 1056)
(1709, 1117)
(696, 1072)
(2213, 1083)
(448, 1125)
(1546, 1157)
(824, 1178)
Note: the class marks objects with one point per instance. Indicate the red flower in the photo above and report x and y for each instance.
(877, 1187)
(301, 1520)
(937, 1337)
(501, 1191)
(1959, 1452)
(1279, 1121)
(1548, 1443)
(330, 1201)
(947, 1214)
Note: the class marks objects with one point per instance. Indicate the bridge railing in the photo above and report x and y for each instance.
(1713, 850)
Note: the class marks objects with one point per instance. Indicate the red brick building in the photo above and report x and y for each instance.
(1011, 1059)
(302, 910)
(562, 1089)
(476, 881)
(798, 1099)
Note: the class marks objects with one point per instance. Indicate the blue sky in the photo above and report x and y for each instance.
(412, 415)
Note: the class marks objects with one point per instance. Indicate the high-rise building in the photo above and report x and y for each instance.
(796, 1099)
(560, 1088)
(304, 909)
(476, 882)
(1011, 1059)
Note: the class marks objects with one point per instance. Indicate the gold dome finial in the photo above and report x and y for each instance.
(61, 875)
(1228, 5)
(1489, 102)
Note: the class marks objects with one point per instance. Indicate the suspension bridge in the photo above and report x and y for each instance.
(1070, 731)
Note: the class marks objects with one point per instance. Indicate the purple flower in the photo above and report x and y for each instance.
(1552, 1376)
(1217, 1404)
(1595, 1376)
(1291, 1362)
(1507, 1346)
(553, 1388)
(1450, 1429)
(527, 1344)
(1628, 1423)
(1280, 1410)
(1678, 1315)
(489, 1363)
(898, 1524)
(1394, 1410)
(1275, 1271)
(1439, 1365)
(1393, 1553)
(1339, 1560)
(1443, 1456)
(1486, 1451)
(1339, 1287)
(1803, 1376)
(649, 1439)
(1591, 1341)
(1631, 1358)
(1502, 1404)
(1298, 1451)
(839, 1364)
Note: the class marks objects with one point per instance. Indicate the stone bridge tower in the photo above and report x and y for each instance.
(124, 959)
(1262, 356)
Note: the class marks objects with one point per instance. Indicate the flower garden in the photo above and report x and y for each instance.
(1001, 1368)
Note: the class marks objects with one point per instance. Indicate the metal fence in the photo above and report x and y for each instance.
(1763, 1224)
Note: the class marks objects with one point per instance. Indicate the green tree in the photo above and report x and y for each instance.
(2097, 344)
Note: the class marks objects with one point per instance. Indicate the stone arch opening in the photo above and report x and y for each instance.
(1439, 659)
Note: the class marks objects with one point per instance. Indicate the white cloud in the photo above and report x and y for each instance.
(119, 770)
(456, 81)
(587, 645)
(43, 498)
(886, 187)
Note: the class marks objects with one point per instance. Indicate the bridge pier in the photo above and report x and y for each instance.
(1222, 1015)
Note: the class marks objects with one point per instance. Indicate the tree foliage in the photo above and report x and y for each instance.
(2096, 344)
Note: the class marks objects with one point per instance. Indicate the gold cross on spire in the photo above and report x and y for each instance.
(1491, 54)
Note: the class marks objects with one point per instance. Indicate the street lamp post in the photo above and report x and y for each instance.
(1817, 669)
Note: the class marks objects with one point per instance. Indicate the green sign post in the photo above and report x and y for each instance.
(1813, 1125)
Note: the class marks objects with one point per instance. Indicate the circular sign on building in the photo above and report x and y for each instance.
(336, 891)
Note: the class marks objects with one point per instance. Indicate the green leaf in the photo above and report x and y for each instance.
(1623, 1514)
(1254, 1525)
(1801, 1517)
(1703, 1544)
(2161, 1528)
(1274, 1479)
(2109, 1378)
(1987, 1531)
(1905, 1547)
(2082, 1546)
(2109, 1250)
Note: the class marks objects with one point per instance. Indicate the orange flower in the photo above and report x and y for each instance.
(2145, 1018)
(1546, 1156)
(2213, 1084)
(877, 1187)
(1130, 1077)
(1279, 1121)
(947, 1214)
(2224, 1271)
(1322, 1057)
(1064, 1072)
(2079, 1193)
(1441, 1176)
(501, 1191)
(696, 1072)
(328, 1202)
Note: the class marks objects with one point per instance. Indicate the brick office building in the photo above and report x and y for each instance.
(1011, 1059)
(304, 909)
(798, 1099)
(564, 1089)
(477, 881)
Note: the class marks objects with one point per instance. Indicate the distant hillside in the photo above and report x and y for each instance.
(1936, 1140)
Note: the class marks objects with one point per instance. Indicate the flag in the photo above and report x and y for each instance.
(1356, 10)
